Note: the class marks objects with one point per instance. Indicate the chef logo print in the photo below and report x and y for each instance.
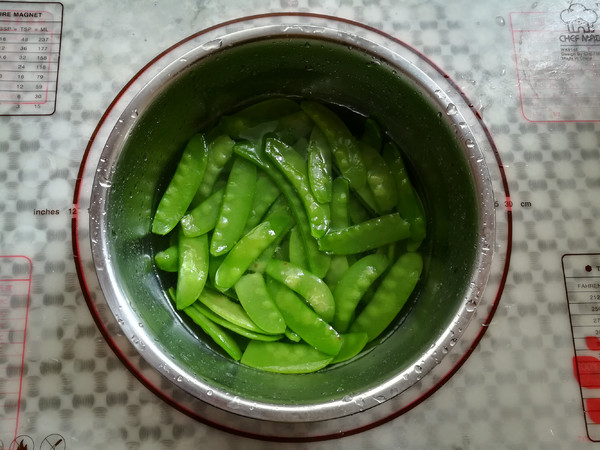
(580, 17)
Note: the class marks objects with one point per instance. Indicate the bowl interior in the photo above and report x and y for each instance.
(301, 67)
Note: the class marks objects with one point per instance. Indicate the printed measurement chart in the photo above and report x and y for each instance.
(15, 284)
(582, 283)
(30, 36)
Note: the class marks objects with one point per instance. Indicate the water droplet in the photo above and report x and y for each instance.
(213, 45)
(500, 21)
(380, 398)
(104, 183)
(209, 393)
(134, 114)
(418, 369)
(360, 402)
(451, 109)
(439, 93)
(347, 398)
(452, 342)
(469, 143)
(471, 306)
(179, 379)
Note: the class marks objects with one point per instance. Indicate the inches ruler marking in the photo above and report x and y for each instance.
(30, 35)
(15, 289)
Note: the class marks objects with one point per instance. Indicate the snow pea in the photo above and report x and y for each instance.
(220, 151)
(393, 293)
(379, 179)
(203, 217)
(312, 288)
(193, 269)
(352, 344)
(353, 285)
(235, 208)
(182, 187)
(254, 121)
(284, 357)
(229, 310)
(318, 261)
(247, 249)
(252, 292)
(358, 213)
(233, 327)
(168, 259)
(372, 135)
(340, 196)
(344, 146)
(285, 158)
(265, 194)
(297, 255)
(408, 204)
(215, 332)
(319, 167)
(293, 127)
(365, 236)
(303, 320)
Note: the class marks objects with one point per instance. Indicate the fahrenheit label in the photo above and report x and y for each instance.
(582, 283)
(29, 54)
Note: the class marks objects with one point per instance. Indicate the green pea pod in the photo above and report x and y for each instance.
(235, 207)
(283, 156)
(256, 300)
(203, 217)
(265, 194)
(318, 261)
(380, 180)
(352, 344)
(229, 310)
(231, 326)
(220, 151)
(366, 236)
(168, 259)
(296, 249)
(372, 134)
(216, 333)
(283, 357)
(193, 269)
(183, 186)
(340, 196)
(303, 320)
(390, 297)
(344, 146)
(292, 336)
(338, 267)
(353, 285)
(254, 121)
(292, 127)
(310, 287)
(357, 211)
(319, 167)
(247, 249)
(409, 205)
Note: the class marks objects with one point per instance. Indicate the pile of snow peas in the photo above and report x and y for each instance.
(294, 238)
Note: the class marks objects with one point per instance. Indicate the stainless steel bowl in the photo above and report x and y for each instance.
(300, 56)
